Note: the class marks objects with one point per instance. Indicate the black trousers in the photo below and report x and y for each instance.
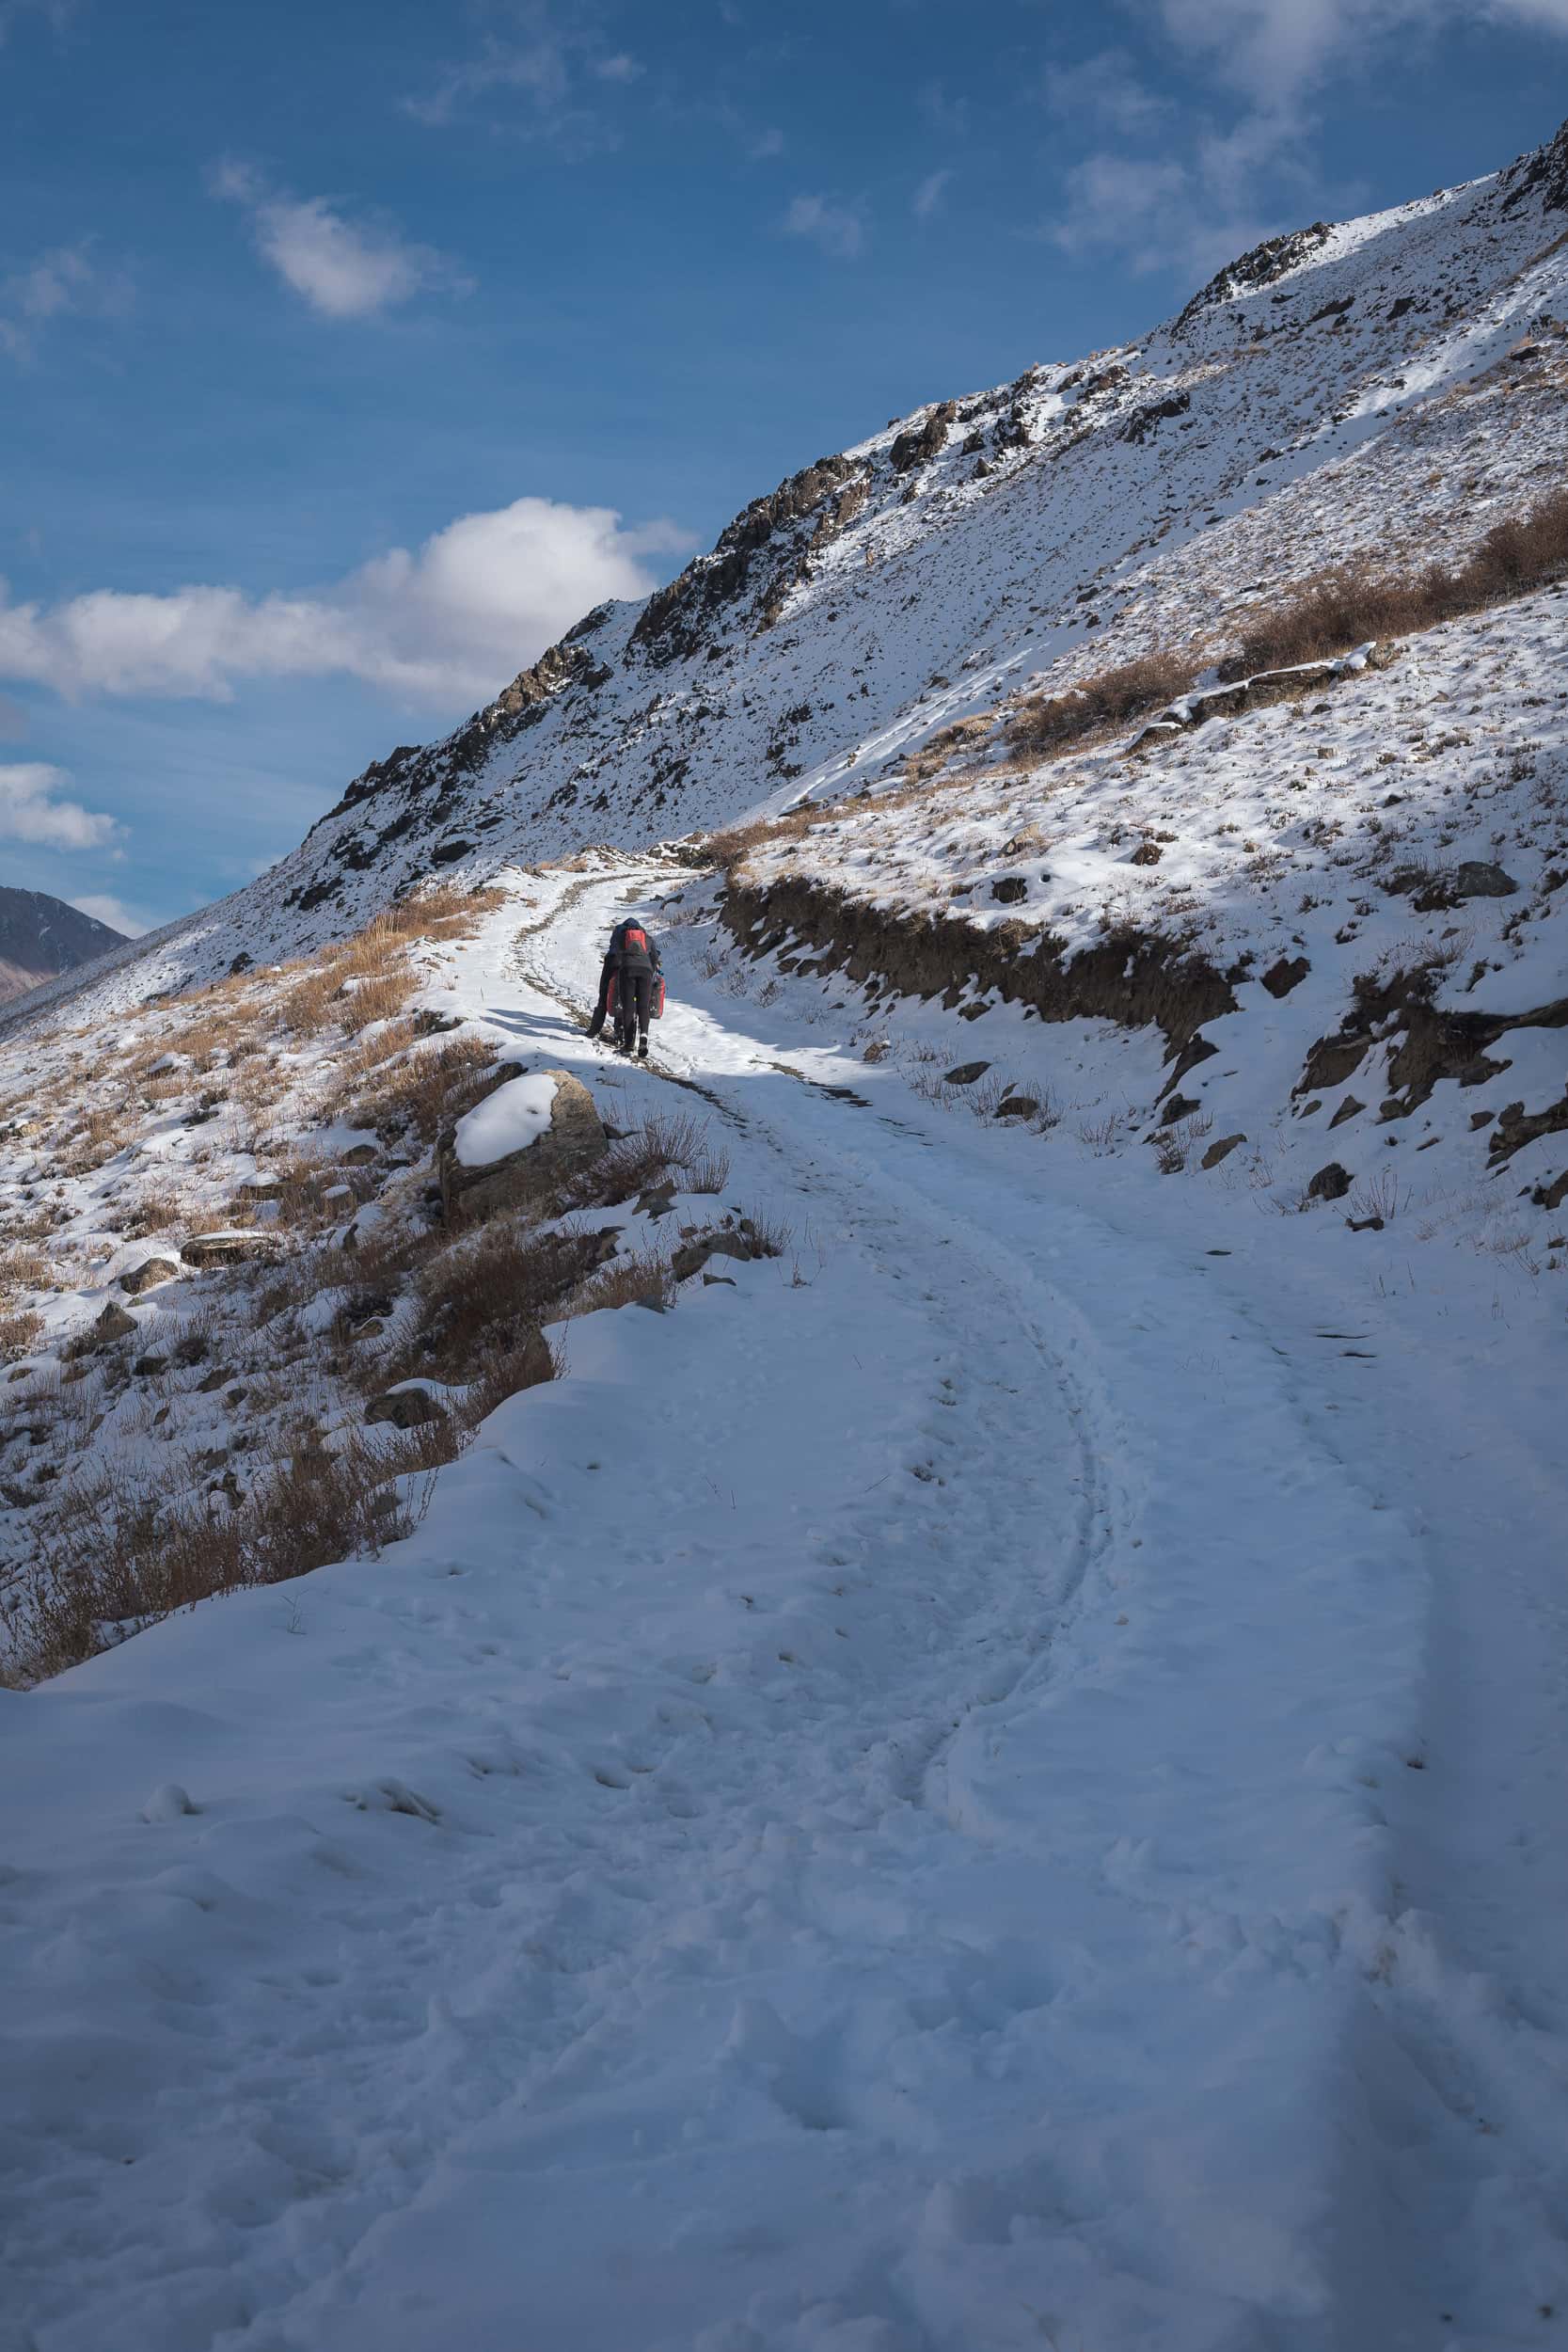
(634, 997)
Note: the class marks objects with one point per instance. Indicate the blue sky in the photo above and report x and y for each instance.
(350, 349)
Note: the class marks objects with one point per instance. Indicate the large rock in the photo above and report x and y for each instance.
(519, 1143)
(228, 1248)
(145, 1276)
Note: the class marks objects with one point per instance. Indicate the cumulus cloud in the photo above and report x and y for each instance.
(344, 269)
(118, 916)
(929, 196)
(449, 621)
(66, 281)
(839, 229)
(32, 810)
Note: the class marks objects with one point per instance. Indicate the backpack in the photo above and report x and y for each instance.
(634, 940)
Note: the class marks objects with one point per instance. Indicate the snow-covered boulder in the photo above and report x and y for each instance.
(535, 1129)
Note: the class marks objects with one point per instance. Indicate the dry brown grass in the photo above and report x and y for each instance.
(1353, 603)
(23, 1268)
(1044, 723)
(115, 1551)
(420, 1094)
(480, 1303)
(158, 1209)
(18, 1335)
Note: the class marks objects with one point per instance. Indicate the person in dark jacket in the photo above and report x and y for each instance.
(631, 960)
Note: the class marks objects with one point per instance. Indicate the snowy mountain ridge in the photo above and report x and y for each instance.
(1339, 390)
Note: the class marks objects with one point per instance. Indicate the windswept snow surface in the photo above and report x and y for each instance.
(879, 1814)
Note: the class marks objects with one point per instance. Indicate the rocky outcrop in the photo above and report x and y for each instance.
(570, 1138)
(1134, 978)
(920, 443)
(1260, 266)
(1546, 173)
(672, 622)
(1436, 1042)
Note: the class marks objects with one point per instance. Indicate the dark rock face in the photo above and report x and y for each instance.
(42, 937)
(1143, 422)
(1010, 889)
(671, 622)
(1259, 267)
(922, 442)
(1546, 171)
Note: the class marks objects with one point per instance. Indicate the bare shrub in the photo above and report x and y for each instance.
(23, 1268)
(1379, 1197)
(18, 1335)
(1043, 723)
(433, 1086)
(1353, 602)
(119, 1551)
(479, 1303)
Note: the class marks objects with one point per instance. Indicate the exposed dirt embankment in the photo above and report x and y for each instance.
(1135, 978)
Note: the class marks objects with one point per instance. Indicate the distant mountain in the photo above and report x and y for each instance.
(42, 937)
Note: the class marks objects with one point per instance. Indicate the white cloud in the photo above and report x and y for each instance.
(539, 72)
(1277, 51)
(1104, 90)
(344, 269)
(765, 145)
(450, 621)
(31, 810)
(838, 228)
(1157, 213)
(929, 196)
(64, 282)
(111, 911)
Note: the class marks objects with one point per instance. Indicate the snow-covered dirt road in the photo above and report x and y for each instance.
(874, 1816)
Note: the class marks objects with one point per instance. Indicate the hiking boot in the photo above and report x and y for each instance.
(642, 1049)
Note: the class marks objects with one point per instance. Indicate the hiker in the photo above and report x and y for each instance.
(631, 960)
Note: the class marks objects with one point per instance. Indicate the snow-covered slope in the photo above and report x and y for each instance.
(993, 1778)
(1343, 389)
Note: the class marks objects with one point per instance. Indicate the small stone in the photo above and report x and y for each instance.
(1017, 1106)
(1147, 853)
(406, 1407)
(1284, 976)
(1347, 1110)
(1330, 1183)
(1008, 889)
(1182, 1107)
(1220, 1150)
(965, 1073)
